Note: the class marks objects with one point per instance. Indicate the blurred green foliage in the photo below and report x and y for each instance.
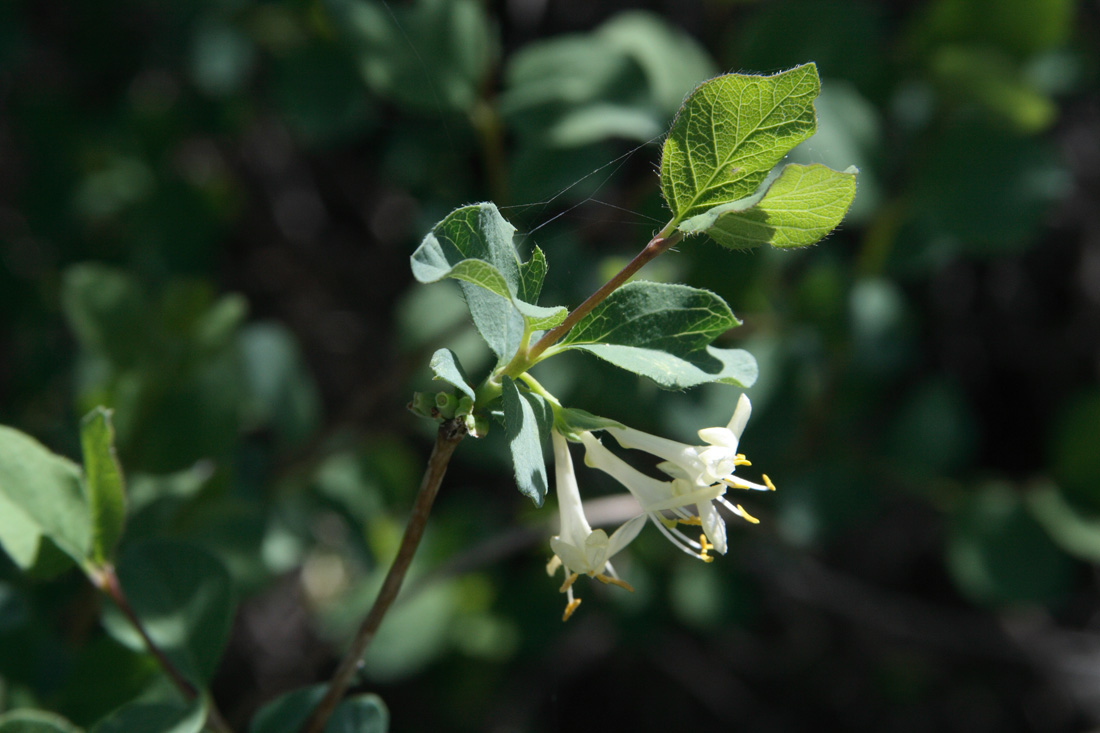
(206, 213)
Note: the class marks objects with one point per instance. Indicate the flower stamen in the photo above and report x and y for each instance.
(568, 584)
(768, 482)
(705, 546)
(608, 580)
(570, 608)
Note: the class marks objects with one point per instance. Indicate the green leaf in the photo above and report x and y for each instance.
(182, 595)
(40, 499)
(35, 721)
(801, 206)
(445, 367)
(360, 714)
(663, 331)
(527, 418)
(531, 275)
(730, 133)
(106, 492)
(157, 717)
(286, 714)
(474, 245)
(676, 318)
(1075, 533)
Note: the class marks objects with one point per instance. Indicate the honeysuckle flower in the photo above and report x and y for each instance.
(700, 476)
(703, 464)
(577, 547)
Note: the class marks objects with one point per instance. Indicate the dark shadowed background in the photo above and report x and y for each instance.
(206, 214)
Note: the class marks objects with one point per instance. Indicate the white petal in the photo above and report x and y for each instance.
(740, 416)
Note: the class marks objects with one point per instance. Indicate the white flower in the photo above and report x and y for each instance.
(700, 476)
(577, 547)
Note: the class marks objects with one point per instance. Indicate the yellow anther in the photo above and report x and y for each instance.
(747, 516)
(740, 460)
(693, 521)
(569, 609)
(608, 580)
(553, 565)
(706, 546)
(568, 583)
(768, 482)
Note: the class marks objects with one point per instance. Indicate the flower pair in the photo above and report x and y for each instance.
(699, 477)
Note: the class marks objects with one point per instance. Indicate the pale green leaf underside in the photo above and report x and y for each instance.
(662, 316)
(526, 420)
(801, 206)
(727, 366)
(446, 367)
(40, 497)
(730, 132)
(103, 481)
(35, 721)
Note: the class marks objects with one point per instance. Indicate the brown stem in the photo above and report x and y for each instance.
(451, 432)
(656, 246)
(106, 580)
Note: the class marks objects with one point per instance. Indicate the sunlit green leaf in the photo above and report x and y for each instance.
(670, 371)
(799, 208)
(106, 493)
(729, 134)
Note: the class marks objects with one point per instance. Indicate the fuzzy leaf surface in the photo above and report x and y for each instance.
(474, 245)
(801, 206)
(730, 132)
(527, 418)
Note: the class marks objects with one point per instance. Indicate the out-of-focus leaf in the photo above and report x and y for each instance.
(674, 63)
(320, 96)
(222, 58)
(35, 721)
(1073, 450)
(799, 208)
(40, 500)
(934, 431)
(360, 714)
(161, 717)
(356, 714)
(183, 597)
(527, 423)
(1019, 27)
(281, 393)
(428, 57)
(998, 554)
(980, 190)
(105, 310)
(106, 494)
(729, 134)
(989, 78)
(1075, 533)
(843, 37)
